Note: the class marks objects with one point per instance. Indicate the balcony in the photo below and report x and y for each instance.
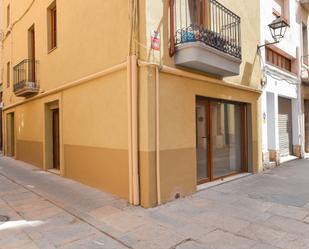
(205, 37)
(25, 78)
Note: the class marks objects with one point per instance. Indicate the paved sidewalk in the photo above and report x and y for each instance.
(264, 211)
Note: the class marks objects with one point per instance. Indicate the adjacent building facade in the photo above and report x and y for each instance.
(285, 82)
(281, 102)
(150, 113)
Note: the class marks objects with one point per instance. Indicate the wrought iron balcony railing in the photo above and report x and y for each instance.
(25, 78)
(205, 21)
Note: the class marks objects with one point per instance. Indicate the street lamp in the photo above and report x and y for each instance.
(277, 29)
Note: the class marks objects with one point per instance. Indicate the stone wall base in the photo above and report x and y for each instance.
(297, 150)
(266, 163)
(274, 156)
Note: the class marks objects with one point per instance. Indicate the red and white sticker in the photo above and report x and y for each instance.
(155, 40)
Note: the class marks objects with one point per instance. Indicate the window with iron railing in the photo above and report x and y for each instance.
(205, 21)
(25, 75)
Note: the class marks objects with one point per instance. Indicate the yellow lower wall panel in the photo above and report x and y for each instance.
(148, 184)
(178, 173)
(102, 168)
(30, 152)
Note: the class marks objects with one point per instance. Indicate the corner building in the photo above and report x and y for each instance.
(148, 100)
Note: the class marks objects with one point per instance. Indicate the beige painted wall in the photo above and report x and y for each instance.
(177, 130)
(177, 139)
(157, 18)
(94, 117)
(80, 27)
(94, 134)
(177, 103)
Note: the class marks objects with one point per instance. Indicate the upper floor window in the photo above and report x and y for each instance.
(52, 26)
(276, 59)
(8, 74)
(8, 16)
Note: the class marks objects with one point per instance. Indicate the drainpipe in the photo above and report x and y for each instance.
(132, 89)
(129, 97)
(158, 136)
(132, 80)
(157, 124)
(134, 106)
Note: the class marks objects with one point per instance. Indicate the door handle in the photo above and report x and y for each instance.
(204, 137)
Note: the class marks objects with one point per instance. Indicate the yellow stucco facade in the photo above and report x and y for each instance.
(138, 145)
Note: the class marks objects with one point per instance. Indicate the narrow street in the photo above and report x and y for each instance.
(264, 211)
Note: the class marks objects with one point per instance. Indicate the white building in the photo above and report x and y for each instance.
(281, 101)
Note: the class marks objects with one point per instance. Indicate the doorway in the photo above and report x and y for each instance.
(52, 137)
(285, 126)
(10, 134)
(56, 140)
(221, 139)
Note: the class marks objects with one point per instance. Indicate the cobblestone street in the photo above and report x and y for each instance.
(264, 211)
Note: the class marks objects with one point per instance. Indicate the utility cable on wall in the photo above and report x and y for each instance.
(266, 70)
(19, 19)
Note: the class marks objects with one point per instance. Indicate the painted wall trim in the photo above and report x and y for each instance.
(183, 73)
(80, 81)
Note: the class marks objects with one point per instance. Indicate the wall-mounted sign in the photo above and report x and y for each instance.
(155, 40)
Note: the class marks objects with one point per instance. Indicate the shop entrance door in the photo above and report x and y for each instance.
(221, 139)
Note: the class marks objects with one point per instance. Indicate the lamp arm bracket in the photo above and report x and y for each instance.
(266, 44)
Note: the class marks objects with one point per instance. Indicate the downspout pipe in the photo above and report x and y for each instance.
(159, 199)
(129, 104)
(132, 82)
(134, 126)
(157, 124)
